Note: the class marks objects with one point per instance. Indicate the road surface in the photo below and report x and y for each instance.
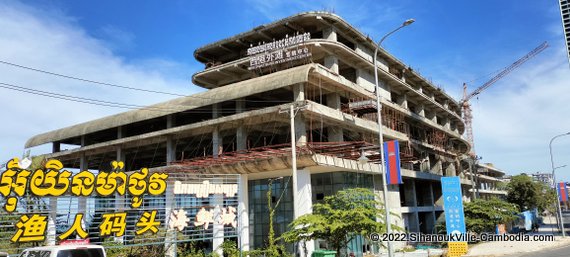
(553, 252)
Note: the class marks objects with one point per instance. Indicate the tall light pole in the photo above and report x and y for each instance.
(554, 184)
(381, 137)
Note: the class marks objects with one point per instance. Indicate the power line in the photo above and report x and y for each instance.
(88, 80)
(104, 103)
(118, 86)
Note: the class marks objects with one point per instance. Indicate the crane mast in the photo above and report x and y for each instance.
(466, 106)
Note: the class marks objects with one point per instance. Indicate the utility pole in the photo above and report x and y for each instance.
(294, 108)
(381, 138)
(473, 194)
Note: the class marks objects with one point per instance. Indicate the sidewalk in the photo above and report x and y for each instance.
(488, 249)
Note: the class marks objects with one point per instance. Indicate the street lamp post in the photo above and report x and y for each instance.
(381, 137)
(554, 184)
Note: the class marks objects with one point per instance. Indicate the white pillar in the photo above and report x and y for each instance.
(50, 238)
(305, 204)
(218, 229)
(170, 245)
(243, 215)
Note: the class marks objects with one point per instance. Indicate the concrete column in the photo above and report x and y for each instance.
(438, 169)
(365, 52)
(425, 166)
(120, 199)
(241, 133)
(421, 110)
(403, 72)
(304, 204)
(333, 101)
(431, 194)
(243, 214)
(414, 198)
(450, 171)
(403, 101)
(446, 123)
(299, 92)
(432, 225)
(331, 61)
(83, 165)
(415, 212)
(170, 142)
(393, 204)
(217, 144)
(365, 79)
(218, 229)
(335, 133)
(300, 127)
(56, 147)
(329, 34)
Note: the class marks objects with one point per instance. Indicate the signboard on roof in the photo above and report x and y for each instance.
(280, 51)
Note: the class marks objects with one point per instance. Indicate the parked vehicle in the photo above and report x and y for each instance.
(527, 221)
(65, 251)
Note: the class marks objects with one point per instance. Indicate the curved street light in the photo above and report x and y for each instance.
(381, 137)
(554, 183)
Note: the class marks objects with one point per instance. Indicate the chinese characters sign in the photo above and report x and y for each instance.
(54, 181)
(53, 204)
(453, 205)
(280, 51)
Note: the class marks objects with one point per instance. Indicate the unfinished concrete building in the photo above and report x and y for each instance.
(241, 125)
(487, 182)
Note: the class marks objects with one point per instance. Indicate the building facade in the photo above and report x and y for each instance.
(565, 15)
(321, 68)
(488, 182)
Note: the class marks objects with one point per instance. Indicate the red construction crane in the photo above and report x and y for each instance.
(467, 115)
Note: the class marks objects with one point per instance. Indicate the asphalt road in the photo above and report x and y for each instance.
(553, 252)
(563, 251)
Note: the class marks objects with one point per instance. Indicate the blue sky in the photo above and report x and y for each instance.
(150, 44)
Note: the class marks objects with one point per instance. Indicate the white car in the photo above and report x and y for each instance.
(65, 251)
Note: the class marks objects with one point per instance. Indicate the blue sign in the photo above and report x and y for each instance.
(453, 205)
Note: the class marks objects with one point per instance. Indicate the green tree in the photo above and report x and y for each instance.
(339, 219)
(482, 215)
(547, 197)
(528, 194)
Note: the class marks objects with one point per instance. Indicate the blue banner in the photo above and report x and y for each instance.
(453, 205)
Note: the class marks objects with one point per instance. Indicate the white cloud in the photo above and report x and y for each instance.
(47, 39)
